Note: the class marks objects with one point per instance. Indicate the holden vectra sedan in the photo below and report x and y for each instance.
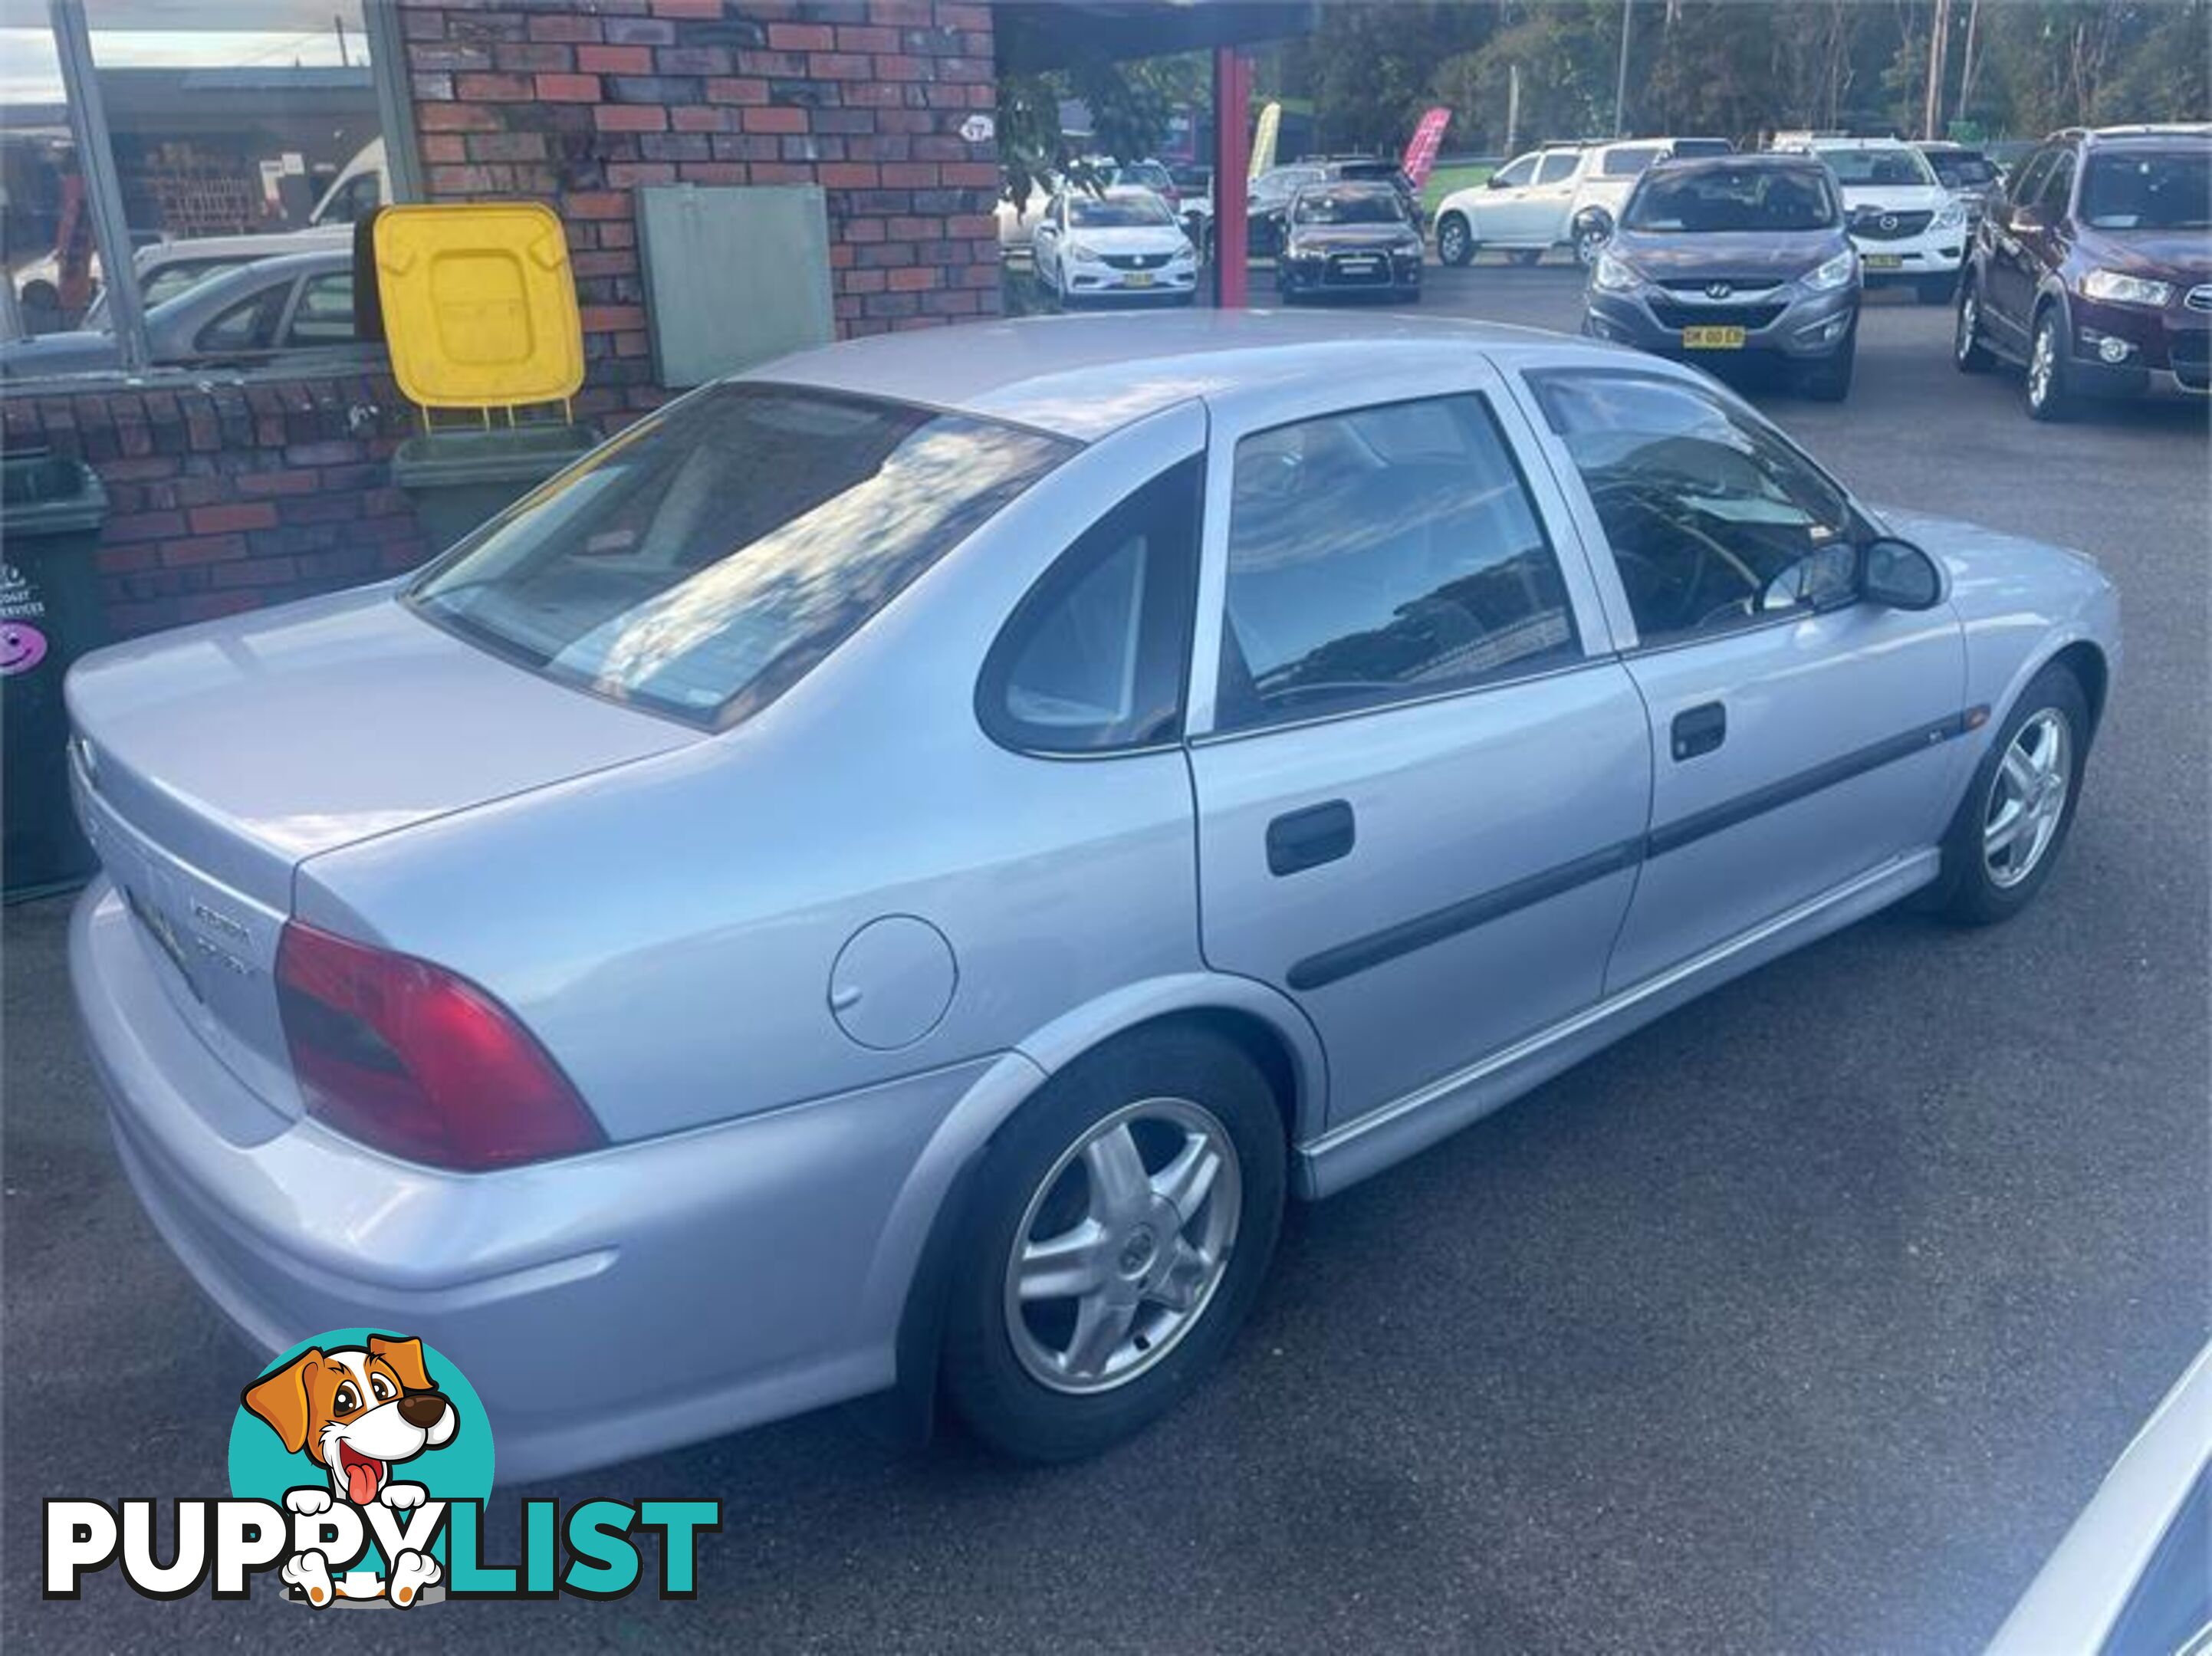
(885, 876)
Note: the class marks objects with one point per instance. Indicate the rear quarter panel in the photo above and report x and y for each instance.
(668, 930)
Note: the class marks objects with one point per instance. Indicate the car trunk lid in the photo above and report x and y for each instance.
(211, 762)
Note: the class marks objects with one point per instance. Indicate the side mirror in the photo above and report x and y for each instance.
(1495, 181)
(2027, 219)
(1899, 575)
(1593, 224)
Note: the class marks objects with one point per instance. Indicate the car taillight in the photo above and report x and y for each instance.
(411, 1059)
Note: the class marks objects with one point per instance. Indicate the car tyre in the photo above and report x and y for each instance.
(2049, 396)
(2013, 823)
(1829, 379)
(1014, 1367)
(1454, 240)
(1968, 354)
(1589, 244)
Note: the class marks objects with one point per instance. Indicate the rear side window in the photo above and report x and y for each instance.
(1560, 165)
(1095, 657)
(324, 315)
(704, 561)
(1628, 163)
(249, 326)
(171, 280)
(1380, 555)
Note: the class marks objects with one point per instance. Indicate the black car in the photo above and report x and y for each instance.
(1348, 237)
(1718, 259)
(1270, 196)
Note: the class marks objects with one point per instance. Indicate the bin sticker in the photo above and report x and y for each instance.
(22, 646)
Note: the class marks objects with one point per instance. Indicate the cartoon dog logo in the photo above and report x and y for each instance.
(357, 1411)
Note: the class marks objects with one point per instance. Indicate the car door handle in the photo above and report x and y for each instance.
(1700, 730)
(1307, 838)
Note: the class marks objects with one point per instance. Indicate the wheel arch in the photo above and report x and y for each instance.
(916, 1250)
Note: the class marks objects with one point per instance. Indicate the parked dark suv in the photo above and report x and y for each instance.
(2093, 268)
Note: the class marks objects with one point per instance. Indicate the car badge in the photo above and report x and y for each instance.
(1717, 290)
(1889, 221)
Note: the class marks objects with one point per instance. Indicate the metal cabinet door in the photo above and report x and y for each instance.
(1432, 879)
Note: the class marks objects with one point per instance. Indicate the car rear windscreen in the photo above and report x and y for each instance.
(703, 562)
(1716, 199)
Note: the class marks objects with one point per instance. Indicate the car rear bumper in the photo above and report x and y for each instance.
(1808, 328)
(603, 1305)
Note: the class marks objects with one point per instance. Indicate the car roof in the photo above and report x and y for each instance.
(267, 245)
(1791, 160)
(1083, 377)
(233, 285)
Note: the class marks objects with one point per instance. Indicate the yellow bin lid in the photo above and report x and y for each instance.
(479, 304)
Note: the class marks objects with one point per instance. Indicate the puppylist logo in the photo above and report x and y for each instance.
(360, 1465)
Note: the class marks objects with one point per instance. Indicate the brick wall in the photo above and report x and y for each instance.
(579, 103)
(228, 494)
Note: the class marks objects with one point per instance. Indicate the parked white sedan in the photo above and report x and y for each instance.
(1125, 243)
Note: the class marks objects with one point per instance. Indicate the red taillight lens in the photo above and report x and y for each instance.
(407, 1057)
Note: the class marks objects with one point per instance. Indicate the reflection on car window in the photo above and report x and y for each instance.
(1117, 212)
(2165, 190)
(2058, 187)
(1713, 519)
(1321, 205)
(1515, 173)
(1715, 200)
(1893, 167)
(1558, 165)
(248, 325)
(1628, 163)
(1095, 658)
(324, 315)
(170, 280)
(703, 562)
(1382, 555)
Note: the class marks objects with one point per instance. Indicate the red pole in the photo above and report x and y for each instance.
(1232, 162)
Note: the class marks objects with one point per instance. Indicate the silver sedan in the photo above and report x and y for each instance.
(887, 875)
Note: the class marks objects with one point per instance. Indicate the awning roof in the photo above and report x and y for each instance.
(1040, 34)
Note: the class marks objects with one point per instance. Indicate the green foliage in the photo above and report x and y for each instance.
(1130, 103)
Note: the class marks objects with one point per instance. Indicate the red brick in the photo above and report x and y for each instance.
(630, 118)
(300, 481)
(535, 58)
(444, 146)
(911, 280)
(563, 26)
(736, 89)
(866, 39)
(569, 89)
(606, 318)
(903, 14)
(712, 172)
(615, 60)
(455, 117)
(144, 526)
(775, 120)
(889, 66)
(204, 549)
(976, 175)
(781, 172)
(963, 16)
(497, 88)
(800, 37)
(849, 175)
(693, 117)
(598, 204)
(244, 514)
(914, 175)
(701, 9)
(837, 66)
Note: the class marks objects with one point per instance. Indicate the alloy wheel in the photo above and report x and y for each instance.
(1970, 317)
(2027, 798)
(2042, 364)
(1123, 1245)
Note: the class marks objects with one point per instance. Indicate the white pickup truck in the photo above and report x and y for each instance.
(1529, 205)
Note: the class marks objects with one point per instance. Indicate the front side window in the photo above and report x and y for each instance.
(1714, 520)
(249, 326)
(324, 315)
(2028, 177)
(2165, 190)
(1380, 555)
(705, 561)
(2057, 187)
(1514, 174)
(1558, 167)
(1095, 657)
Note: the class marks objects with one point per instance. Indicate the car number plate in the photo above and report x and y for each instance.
(1882, 261)
(1713, 339)
(1139, 279)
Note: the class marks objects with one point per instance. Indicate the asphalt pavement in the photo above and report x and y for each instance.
(1806, 1319)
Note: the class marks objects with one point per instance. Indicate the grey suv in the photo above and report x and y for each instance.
(1735, 255)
